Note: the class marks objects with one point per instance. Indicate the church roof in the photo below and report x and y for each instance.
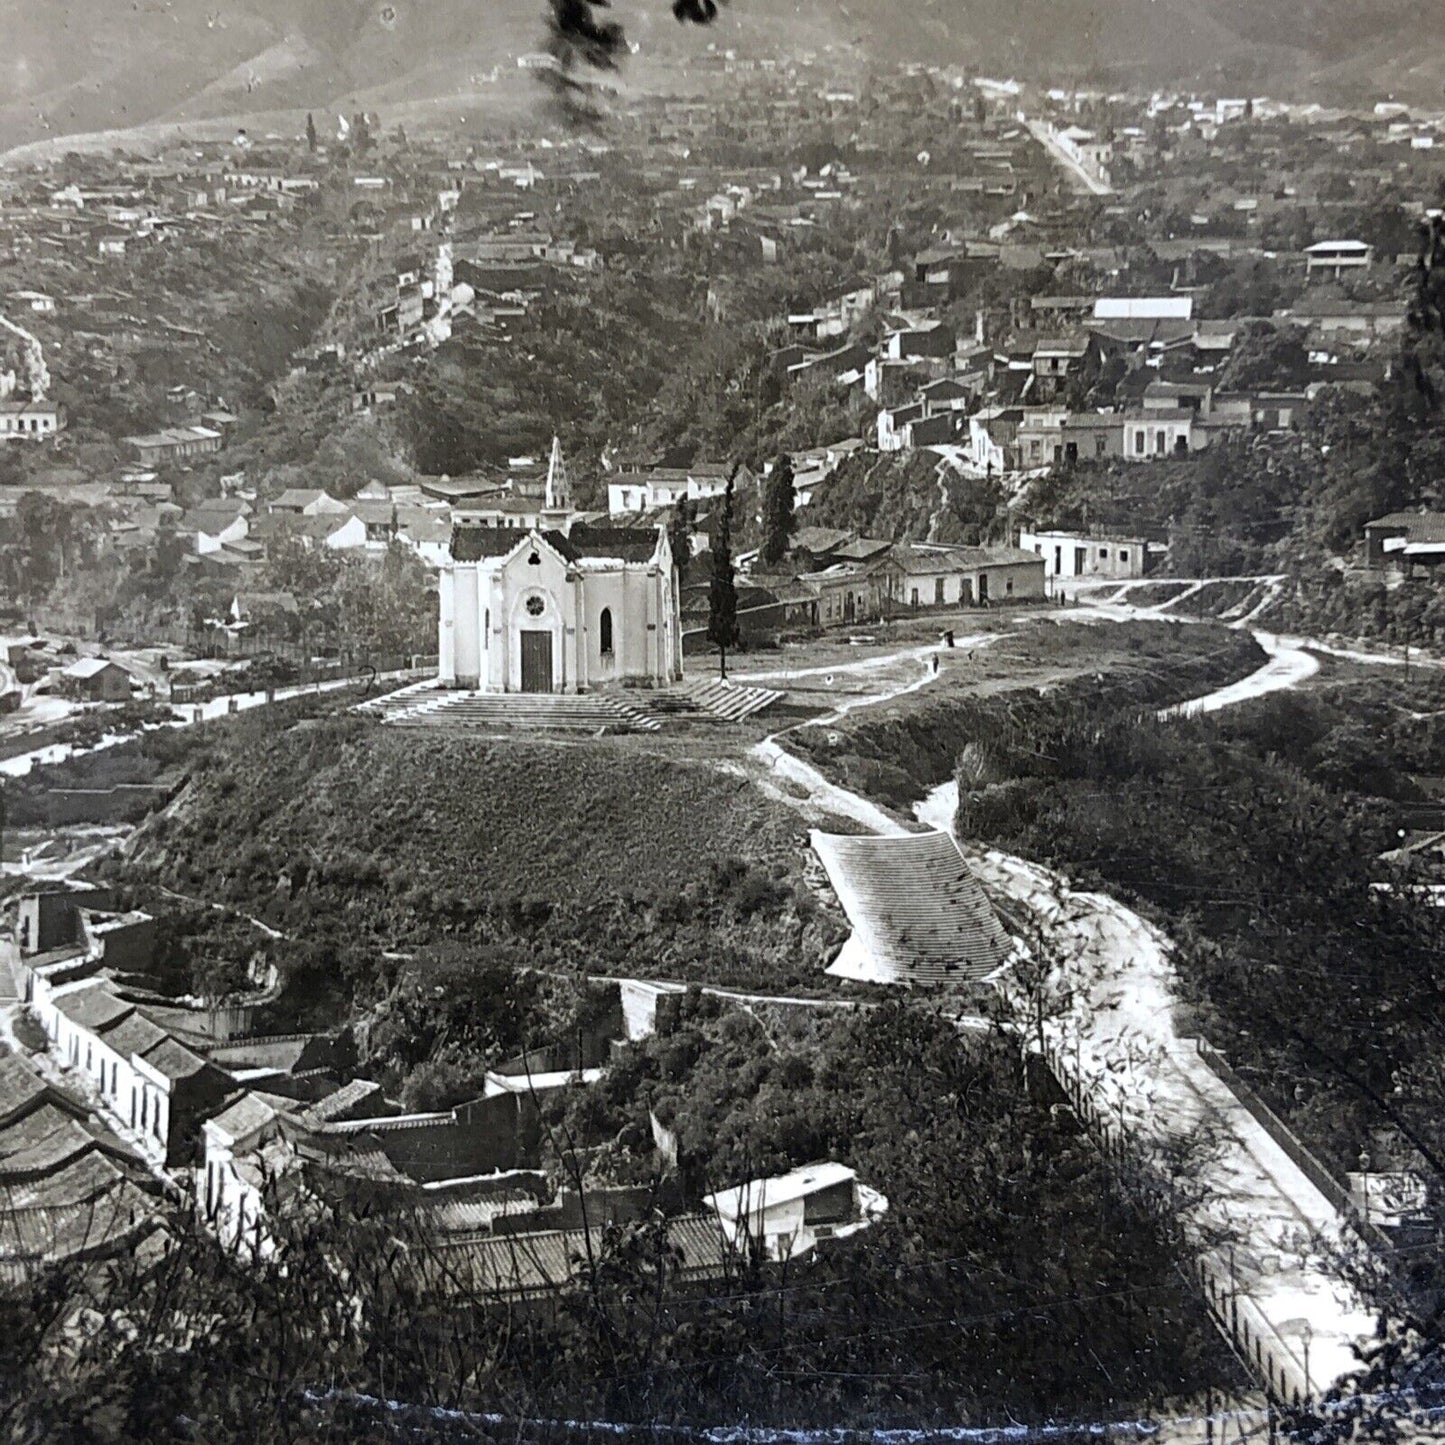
(624, 544)
(627, 544)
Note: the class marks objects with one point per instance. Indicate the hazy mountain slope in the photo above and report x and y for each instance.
(75, 65)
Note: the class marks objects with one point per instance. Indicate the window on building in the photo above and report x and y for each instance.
(604, 628)
(1008, 586)
(1103, 554)
(1159, 442)
(915, 597)
(1101, 445)
(938, 591)
(1124, 555)
(1139, 443)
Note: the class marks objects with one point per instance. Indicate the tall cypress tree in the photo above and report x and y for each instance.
(778, 520)
(722, 597)
(310, 132)
(679, 532)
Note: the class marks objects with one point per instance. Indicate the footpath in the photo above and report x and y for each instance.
(1267, 1239)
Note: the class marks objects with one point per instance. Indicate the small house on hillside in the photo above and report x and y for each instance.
(1403, 539)
(786, 1216)
(96, 679)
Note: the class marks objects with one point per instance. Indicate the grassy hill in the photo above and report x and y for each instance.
(348, 835)
(86, 65)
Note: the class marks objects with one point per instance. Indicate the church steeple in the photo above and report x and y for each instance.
(559, 489)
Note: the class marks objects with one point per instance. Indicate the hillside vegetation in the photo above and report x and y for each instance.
(897, 752)
(356, 839)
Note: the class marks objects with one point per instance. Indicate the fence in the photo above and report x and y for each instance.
(1282, 1372)
(1301, 1157)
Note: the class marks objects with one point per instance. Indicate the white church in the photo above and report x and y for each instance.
(561, 607)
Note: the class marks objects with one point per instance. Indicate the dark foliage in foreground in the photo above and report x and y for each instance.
(1012, 1280)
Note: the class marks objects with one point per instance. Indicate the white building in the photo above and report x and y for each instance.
(548, 611)
(1070, 555)
(667, 486)
(785, 1216)
(1333, 259)
(30, 420)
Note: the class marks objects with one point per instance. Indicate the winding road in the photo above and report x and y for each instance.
(1266, 1238)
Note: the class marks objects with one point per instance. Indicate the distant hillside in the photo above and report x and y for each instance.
(82, 65)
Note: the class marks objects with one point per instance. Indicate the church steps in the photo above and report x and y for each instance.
(730, 700)
(541, 711)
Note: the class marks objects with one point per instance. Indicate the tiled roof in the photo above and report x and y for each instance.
(1417, 526)
(918, 913)
(21, 1088)
(134, 1035)
(626, 544)
(94, 1008)
(532, 1263)
(174, 1060)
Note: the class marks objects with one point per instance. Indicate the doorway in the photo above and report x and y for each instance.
(536, 661)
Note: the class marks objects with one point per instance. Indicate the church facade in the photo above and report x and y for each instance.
(551, 611)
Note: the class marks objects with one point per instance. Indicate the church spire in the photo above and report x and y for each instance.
(559, 489)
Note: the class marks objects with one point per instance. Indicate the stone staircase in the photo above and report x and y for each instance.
(728, 700)
(537, 712)
(428, 704)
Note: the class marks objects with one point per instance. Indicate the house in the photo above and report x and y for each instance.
(920, 575)
(1362, 322)
(1144, 308)
(337, 531)
(306, 502)
(1040, 437)
(787, 1216)
(1405, 539)
(30, 420)
(96, 679)
(666, 486)
(149, 1081)
(1071, 555)
(927, 338)
(1332, 260)
(1157, 433)
(175, 444)
(547, 611)
(217, 524)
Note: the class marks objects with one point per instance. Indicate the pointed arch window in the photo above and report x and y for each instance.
(605, 632)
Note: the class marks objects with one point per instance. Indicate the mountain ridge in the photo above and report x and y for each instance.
(87, 65)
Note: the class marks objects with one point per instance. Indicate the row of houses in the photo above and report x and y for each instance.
(837, 578)
(177, 1102)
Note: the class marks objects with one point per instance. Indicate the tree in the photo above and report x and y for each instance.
(679, 532)
(310, 132)
(778, 521)
(722, 600)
